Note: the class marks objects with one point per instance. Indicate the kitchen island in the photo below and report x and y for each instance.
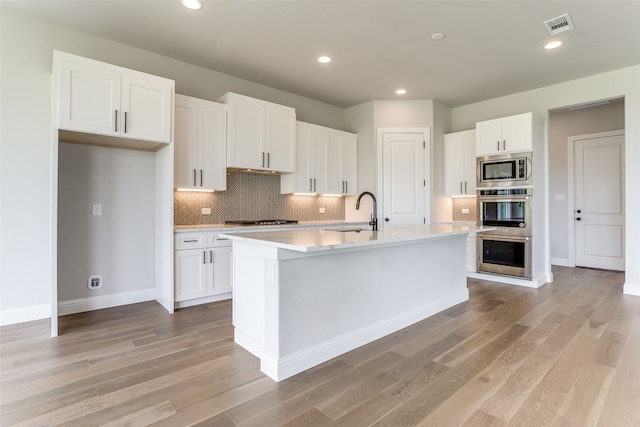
(302, 297)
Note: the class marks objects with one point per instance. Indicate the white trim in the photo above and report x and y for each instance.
(314, 355)
(105, 301)
(25, 314)
(631, 289)
(562, 262)
(527, 283)
(204, 300)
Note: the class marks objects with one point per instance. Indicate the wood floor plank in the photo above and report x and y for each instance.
(565, 354)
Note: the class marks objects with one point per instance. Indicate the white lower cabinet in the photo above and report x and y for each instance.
(203, 266)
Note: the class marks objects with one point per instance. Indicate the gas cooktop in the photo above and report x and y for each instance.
(261, 222)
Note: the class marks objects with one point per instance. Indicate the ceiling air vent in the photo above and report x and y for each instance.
(559, 25)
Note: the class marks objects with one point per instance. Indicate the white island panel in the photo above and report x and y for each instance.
(296, 308)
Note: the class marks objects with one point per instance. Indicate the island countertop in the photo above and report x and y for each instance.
(312, 240)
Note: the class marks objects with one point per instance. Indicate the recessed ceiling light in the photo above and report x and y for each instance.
(324, 59)
(553, 45)
(438, 36)
(192, 4)
(401, 91)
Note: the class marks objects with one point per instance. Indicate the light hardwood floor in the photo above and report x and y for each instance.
(567, 354)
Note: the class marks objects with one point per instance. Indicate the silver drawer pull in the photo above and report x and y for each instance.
(190, 241)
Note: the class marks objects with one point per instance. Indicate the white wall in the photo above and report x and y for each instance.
(26, 54)
(562, 125)
(624, 82)
(119, 244)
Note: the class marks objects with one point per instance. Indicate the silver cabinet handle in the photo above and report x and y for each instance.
(125, 122)
(460, 186)
(315, 188)
(194, 177)
(211, 257)
(191, 241)
(268, 160)
(116, 120)
(204, 257)
(504, 145)
(310, 184)
(498, 145)
(465, 187)
(200, 177)
(263, 159)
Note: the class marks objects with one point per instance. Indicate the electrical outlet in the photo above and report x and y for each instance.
(97, 210)
(465, 211)
(321, 210)
(94, 282)
(206, 211)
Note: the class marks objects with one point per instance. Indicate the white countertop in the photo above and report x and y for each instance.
(319, 239)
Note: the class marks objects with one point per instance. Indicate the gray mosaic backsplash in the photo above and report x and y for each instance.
(460, 203)
(252, 196)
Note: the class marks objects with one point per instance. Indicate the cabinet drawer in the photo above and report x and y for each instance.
(190, 241)
(214, 240)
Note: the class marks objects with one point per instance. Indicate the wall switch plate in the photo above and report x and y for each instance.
(206, 211)
(97, 210)
(465, 211)
(321, 210)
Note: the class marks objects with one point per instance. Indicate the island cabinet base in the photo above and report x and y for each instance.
(294, 310)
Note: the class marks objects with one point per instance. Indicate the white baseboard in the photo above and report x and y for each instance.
(204, 300)
(299, 361)
(527, 283)
(562, 262)
(632, 289)
(25, 314)
(105, 301)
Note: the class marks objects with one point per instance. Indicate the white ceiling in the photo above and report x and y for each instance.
(491, 48)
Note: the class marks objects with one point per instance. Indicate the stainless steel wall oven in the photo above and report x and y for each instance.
(507, 250)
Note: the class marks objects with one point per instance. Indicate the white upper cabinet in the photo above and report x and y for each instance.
(460, 163)
(102, 99)
(326, 162)
(261, 135)
(312, 162)
(504, 135)
(344, 163)
(200, 144)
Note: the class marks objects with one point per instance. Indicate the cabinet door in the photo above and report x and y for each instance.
(488, 138)
(222, 268)
(454, 164)
(191, 273)
(246, 126)
(469, 162)
(320, 162)
(186, 154)
(281, 133)
(146, 109)
(212, 138)
(89, 99)
(516, 134)
(349, 164)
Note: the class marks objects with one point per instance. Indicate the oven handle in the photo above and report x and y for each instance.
(488, 236)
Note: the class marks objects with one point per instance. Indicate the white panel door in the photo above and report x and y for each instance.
(404, 178)
(186, 155)
(599, 201)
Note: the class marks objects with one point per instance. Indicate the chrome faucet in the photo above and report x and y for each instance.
(374, 217)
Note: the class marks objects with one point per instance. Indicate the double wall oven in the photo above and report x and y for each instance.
(504, 199)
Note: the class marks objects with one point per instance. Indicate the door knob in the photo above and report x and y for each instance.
(578, 219)
(579, 211)
(386, 219)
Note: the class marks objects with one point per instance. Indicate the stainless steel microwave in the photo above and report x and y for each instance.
(504, 170)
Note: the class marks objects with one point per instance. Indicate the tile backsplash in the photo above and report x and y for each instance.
(460, 203)
(252, 196)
